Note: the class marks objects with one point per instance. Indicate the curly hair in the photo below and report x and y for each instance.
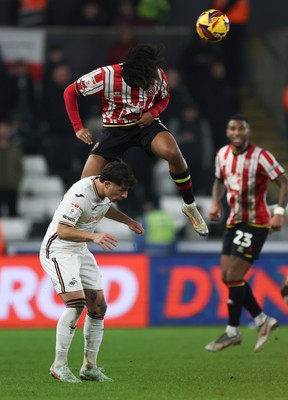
(141, 64)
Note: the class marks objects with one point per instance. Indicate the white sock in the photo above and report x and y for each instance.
(232, 330)
(260, 319)
(65, 331)
(93, 334)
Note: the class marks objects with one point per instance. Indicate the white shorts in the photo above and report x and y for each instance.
(72, 272)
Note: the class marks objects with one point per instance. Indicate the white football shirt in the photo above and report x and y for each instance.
(82, 208)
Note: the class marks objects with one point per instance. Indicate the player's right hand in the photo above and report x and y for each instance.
(215, 213)
(85, 135)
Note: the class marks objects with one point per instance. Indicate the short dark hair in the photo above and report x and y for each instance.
(141, 63)
(238, 117)
(119, 173)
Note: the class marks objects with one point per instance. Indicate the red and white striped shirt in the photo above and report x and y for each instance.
(121, 103)
(246, 177)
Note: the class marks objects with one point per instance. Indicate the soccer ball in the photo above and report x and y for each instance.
(212, 25)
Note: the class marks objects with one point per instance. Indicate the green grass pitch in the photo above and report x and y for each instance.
(148, 364)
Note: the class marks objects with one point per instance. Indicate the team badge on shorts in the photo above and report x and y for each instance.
(73, 283)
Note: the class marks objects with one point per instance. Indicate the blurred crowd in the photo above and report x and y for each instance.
(28, 13)
(34, 114)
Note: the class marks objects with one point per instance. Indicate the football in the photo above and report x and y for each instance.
(212, 25)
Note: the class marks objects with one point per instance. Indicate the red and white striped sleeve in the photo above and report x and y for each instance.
(270, 165)
(91, 83)
(71, 103)
(86, 85)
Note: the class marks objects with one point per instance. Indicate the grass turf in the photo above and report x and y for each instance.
(148, 364)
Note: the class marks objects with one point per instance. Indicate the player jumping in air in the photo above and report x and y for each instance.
(133, 94)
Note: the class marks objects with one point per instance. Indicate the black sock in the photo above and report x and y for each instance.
(235, 301)
(184, 185)
(250, 303)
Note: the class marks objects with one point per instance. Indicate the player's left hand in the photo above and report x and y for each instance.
(145, 120)
(136, 227)
(276, 222)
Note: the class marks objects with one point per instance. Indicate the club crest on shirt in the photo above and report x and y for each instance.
(95, 219)
(150, 91)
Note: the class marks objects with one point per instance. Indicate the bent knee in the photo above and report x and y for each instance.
(174, 156)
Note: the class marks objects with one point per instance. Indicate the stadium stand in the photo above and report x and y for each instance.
(35, 165)
(15, 228)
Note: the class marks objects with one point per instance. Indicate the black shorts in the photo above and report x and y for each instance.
(113, 142)
(244, 241)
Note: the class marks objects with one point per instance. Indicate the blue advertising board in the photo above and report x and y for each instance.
(187, 289)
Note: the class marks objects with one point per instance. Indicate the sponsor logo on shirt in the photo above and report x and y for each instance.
(73, 209)
(95, 219)
(68, 218)
(234, 182)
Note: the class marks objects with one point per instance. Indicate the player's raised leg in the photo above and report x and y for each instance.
(94, 165)
(164, 145)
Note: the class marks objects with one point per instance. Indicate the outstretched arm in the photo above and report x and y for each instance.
(71, 103)
(117, 215)
(104, 240)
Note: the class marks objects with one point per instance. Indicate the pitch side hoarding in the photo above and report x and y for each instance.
(28, 299)
(141, 290)
(187, 289)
